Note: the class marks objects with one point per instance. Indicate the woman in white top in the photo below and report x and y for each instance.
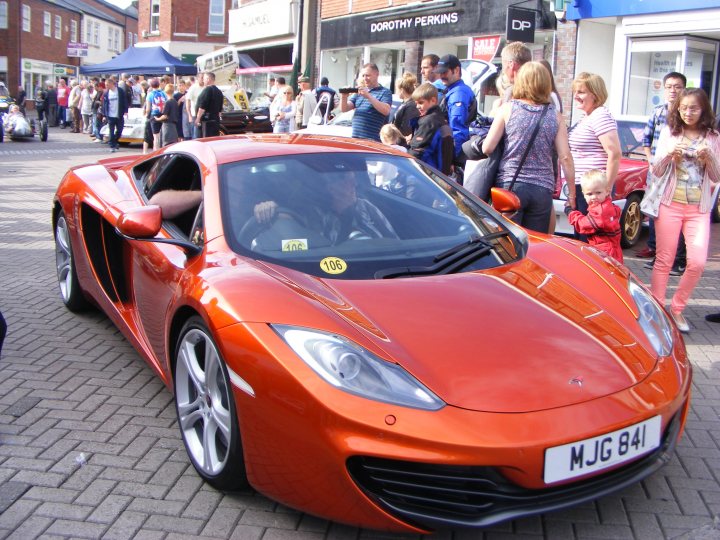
(284, 121)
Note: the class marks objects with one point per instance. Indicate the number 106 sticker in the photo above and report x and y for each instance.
(333, 265)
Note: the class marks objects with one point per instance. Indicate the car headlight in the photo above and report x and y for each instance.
(351, 368)
(653, 319)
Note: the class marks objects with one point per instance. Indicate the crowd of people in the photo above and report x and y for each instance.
(171, 107)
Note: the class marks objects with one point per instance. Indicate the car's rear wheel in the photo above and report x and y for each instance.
(70, 291)
(631, 221)
(206, 408)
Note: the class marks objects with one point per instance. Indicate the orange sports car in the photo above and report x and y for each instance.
(354, 335)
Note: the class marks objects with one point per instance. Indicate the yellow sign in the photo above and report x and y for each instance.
(242, 99)
(333, 265)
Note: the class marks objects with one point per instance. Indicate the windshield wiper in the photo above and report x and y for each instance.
(446, 262)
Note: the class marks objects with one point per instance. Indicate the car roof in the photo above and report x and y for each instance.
(241, 147)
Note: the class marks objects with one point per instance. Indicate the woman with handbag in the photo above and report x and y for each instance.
(687, 160)
(526, 165)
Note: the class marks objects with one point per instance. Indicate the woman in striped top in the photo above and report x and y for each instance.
(594, 141)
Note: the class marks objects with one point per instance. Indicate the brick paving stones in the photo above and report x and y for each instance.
(89, 447)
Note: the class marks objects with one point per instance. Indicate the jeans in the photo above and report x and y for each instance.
(115, 125)
(96, 125)
(681, 255)
(536, 205)
(61, 115)
(695, 226)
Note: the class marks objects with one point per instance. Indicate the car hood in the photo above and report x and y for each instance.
(512, 339)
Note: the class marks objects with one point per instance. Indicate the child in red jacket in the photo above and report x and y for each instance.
(602, 222)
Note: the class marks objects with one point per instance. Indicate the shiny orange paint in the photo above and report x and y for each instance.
(498, 346)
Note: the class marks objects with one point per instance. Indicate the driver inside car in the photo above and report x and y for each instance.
(344, 216)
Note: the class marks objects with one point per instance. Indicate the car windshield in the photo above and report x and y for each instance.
(359, 216)
(630, 133)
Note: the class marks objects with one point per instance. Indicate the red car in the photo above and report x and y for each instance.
(354, 335)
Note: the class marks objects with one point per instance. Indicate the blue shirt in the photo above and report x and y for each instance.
(367, 121)
(458, 99)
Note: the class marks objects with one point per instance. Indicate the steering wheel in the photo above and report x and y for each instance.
(358, 235)
(252, 228)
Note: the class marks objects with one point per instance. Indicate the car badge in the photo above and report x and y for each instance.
(577, 380)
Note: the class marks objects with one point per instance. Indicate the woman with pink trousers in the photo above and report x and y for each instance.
(690, 147)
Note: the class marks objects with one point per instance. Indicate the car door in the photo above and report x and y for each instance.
(158, 268)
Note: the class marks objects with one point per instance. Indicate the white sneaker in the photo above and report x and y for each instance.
(681, 322)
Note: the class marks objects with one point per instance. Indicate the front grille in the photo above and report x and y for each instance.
(433, 496)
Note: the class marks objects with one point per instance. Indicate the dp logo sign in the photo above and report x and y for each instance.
(520, 25)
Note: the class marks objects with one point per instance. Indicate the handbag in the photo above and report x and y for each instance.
(650, 204)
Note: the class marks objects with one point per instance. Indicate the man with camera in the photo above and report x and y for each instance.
(371, 101)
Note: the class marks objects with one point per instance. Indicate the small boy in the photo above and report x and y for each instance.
(431, 140)
(602, 222)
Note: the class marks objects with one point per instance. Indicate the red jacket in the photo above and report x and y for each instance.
(601, 225)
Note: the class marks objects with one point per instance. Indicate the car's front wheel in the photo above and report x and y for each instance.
(631, 221)
(70, 291)
(206, 408)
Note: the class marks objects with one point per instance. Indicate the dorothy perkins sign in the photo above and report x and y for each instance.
(414, 22)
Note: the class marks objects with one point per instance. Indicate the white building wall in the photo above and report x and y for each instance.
(595, 50)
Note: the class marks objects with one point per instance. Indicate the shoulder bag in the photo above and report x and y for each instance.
(650, 204)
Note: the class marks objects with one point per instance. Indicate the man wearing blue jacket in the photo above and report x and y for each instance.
(114, 107)
(459, 104)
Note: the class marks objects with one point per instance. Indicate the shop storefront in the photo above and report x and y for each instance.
(34, 74)
(264, 34)
(648, 40)
(396, 38)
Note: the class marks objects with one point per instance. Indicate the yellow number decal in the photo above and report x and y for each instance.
(333, 265)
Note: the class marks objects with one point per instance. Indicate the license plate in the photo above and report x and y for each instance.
(598, 453)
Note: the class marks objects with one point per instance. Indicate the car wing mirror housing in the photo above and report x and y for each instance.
(141, 223)
(504, 201)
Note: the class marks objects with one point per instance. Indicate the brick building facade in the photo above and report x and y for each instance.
(185, 29)
(39, 39)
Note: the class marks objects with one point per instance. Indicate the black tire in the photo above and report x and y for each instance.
(204, 401)
(631, 221)
(70, 291)
(43, 130)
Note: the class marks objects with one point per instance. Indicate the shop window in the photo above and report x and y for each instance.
(46, 24)
(26, 18)
(58, 27)
(3, 14)
(216, 22)
(155, 16)
(651, 59)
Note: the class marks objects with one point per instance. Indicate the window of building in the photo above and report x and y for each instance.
(155, 15)
(216, 22)
(58, 27)
(96, 34)
(129, 40)
(110, 39)
(117, 39)
(74, 31)
(26, 18)
(46, 24)
(3, 14)
(650, 59)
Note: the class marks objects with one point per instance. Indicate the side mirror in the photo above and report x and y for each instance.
(143, 222)
(504, 201)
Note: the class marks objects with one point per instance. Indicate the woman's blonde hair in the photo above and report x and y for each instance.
(533, 83)
(594, 84)
(407, 83)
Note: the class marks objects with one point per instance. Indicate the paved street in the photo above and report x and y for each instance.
(89, 446)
